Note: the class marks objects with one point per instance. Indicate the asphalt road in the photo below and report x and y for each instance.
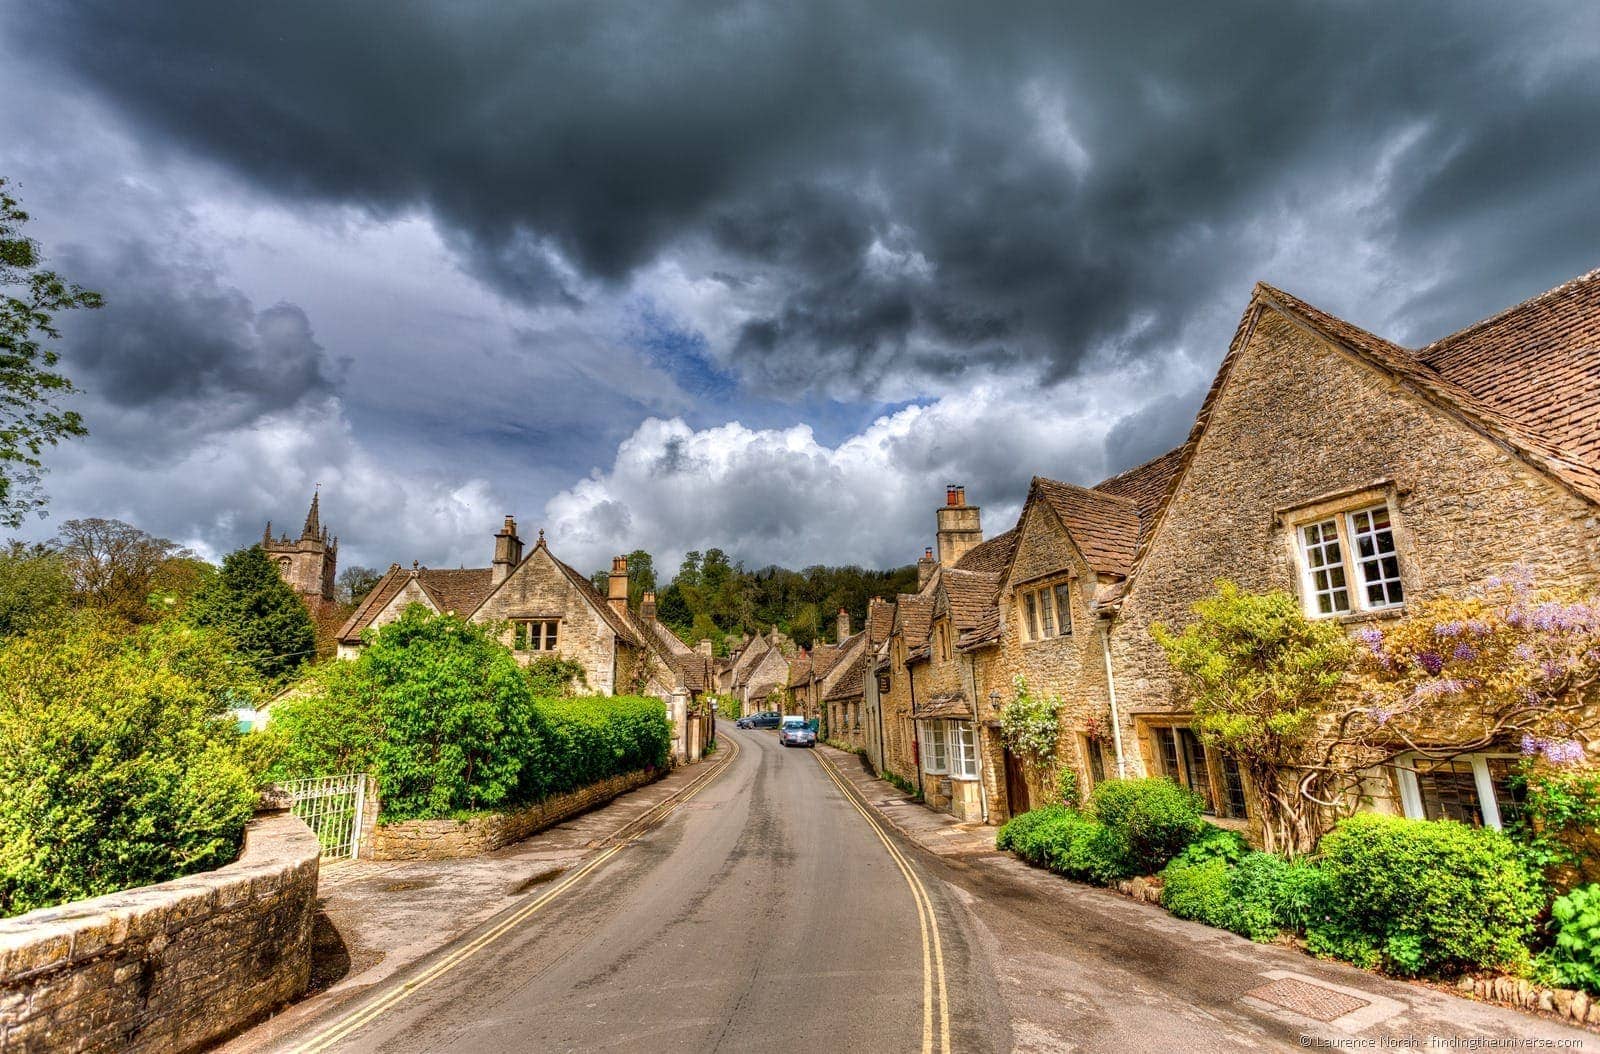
(776, 910)
(768, 913)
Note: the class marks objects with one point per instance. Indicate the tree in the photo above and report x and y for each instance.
(641, 577)
(119, 763)
(1262, 678)
(673, 609)
(355, 582)
(35, 588)
(30, 418)
(114, 565)
(259, 612)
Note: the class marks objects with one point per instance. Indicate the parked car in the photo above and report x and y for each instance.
(765, 719)
(796, 732)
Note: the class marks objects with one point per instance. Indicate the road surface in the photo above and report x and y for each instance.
(776, 910)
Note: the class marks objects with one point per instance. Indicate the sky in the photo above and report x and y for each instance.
(762, 276)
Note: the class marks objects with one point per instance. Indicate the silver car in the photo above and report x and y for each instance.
(795, 733)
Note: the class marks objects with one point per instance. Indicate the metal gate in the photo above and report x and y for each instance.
(331, 807)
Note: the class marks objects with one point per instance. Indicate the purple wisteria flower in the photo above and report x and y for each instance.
(1379, 715)
(1449, 629)
(1443, 686)
(1479, 628)
(1552, 668)
(1464, 652)
(1525, 652)
(1431, 661)
(1555, 751)
(1372, 637)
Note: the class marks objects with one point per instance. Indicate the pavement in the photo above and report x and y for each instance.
(791, 902)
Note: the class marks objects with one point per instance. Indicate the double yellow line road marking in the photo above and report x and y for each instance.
(347, 1026)
(932, 945)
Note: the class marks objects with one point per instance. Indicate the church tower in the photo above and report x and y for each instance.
(307, 563)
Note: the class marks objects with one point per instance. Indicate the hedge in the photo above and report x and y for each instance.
(588, 739)
(1424, 896)
(1154, 817)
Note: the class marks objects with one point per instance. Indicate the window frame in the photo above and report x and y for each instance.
(536, 636)
(963, 752)
(1043, 618)
(1412, 806)
(1175, 737)
(933, 736)
(1351, 565)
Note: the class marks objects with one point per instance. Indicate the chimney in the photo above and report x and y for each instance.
(873, 605)
(647, 607)
(960, 528)
(704, 647)
(507, 552)
(844, 625)
(925, 568)
(617, 593)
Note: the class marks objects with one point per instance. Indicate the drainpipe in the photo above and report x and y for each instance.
(1111, 690)
(916, 739)
(877, 697)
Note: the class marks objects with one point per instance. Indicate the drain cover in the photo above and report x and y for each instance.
(1306, 999)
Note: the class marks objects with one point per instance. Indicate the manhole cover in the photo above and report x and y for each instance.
(1308, 1000)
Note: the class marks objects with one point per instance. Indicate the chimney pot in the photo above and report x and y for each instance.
(617, 585)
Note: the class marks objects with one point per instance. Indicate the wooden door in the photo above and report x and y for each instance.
(1016, 785)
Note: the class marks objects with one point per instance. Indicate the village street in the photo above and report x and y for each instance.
(777, 908)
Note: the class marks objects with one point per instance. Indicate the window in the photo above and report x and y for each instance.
(1097, 763)
(1357, 545)
(935, 748)
(1476, 789)
(944, 642)
(1047, 611)
(963, 750)
(535, 634)
(1215, 776)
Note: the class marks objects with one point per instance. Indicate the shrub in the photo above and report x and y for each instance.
(592, 738)
(259, 612)
(1067, 786)
(1424, 896)
(1198, 891)
(119, 763)
(1214, 843)
(326, 726)
(1068, 843)
(1575, 921)
(1155, 817)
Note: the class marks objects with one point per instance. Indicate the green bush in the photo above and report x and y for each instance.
(591, 738)
(1156, 818)
(1214, 843)
(1067, 842)
(119, 763)
(1574, 959)
(1424, 896)
(1199, 891)
(440, 711)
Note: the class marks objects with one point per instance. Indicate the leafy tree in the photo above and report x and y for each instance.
(30, 418)
(673, 609)
(458, 716)
(259, 612)
(119, 764)
(355, 582)
(641, 577)
(115, 566)
(327, 725)
(176, 582)
(1261, 677)
(35, 588)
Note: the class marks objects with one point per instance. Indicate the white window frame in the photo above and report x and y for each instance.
(935, 748)
(541, 635)
(1411, 791)
(1345, 536)
(963, 750)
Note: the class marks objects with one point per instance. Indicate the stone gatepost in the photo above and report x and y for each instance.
(678, 711)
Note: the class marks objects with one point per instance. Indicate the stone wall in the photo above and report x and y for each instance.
(169, 967)
(446, 839)
(538, 589)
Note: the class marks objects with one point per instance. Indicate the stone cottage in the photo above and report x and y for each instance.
(546, 607)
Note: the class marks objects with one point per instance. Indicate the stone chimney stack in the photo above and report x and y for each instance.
(960, 528)
(647, 607)
(617, 594)
(507, 552)
(705, 648)
(925, 568)
(843, 630)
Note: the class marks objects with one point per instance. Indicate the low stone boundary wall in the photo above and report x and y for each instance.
(1577, 1007)
(446, 839)
(168, 967)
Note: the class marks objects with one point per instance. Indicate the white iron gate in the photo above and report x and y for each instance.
(331, 806)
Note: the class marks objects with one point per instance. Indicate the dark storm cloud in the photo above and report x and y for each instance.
(920, 189)
(177, 354)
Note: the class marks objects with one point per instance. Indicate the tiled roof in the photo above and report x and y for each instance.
(852, 682)
(799, 670)
(949, 704)
(984, 632)
(1147, 486)
(691, 667)
(915, 614)
(992, 555)
(1104, 527)
(970, 596)
(460, 590)
(880, 620)
(1538, 362)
